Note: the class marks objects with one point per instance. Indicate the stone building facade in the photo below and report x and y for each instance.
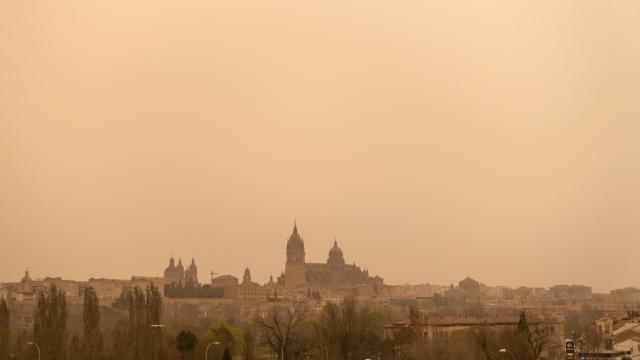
(176, 274)
(334, 273)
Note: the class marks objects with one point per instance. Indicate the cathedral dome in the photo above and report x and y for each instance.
(335, 255)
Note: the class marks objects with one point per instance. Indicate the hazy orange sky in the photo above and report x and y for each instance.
(435, 140)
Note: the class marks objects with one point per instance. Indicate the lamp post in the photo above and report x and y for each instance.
(37, 347)
(508, 352)
(206, 351)
(155, 348)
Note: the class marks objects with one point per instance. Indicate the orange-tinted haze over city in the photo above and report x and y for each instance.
(435, 140)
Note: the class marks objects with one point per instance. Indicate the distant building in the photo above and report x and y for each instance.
(604, 332)
(559, 292)
(580, 292)
(191, 274)
(335, 273)
(26, 278)
(224, 281)
(144, 281)
(527, 293)
(469, 289)
(175, 274)
(249, 290)
(434, 328)
(469, 285)
(626, 295)
(108, 290)
(570, 292)
(622, 334)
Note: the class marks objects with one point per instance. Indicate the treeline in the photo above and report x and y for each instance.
(339, 331)
(134, 337)
(191, 290)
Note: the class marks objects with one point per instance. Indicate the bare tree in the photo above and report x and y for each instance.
(528, 341)
(280, 328)
(249, 343)
(347, 329)
(486, 341)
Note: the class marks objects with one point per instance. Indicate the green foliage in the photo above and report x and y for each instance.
(49, 325)
(122, 302)
(74, 348)
(228, 336)
(186, 342)
(120, 342)
(92, 342)
(144, 311)
(135, 338)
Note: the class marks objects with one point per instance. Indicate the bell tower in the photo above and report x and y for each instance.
(295, 266)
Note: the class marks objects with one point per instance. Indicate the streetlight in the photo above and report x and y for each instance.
(206, 351)
(37, 347)
(155, 348)
(507, 351)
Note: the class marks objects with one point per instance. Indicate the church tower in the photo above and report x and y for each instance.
(295, 268)
(191, 274)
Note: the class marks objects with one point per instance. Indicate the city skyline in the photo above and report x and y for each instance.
(328, 180)
(205, 275)
(435, 141)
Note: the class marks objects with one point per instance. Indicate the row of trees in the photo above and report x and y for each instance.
(347, 331)
(137, 335)
(343, 331)
(132, 338)
(50, 328)
(140, 335)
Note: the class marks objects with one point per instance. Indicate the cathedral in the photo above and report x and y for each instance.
(335, 273)
(178, 275)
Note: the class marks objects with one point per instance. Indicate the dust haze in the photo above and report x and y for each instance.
(434, 141)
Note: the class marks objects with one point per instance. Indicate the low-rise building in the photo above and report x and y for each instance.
(436, 328)
(622, 334)
(626, 295)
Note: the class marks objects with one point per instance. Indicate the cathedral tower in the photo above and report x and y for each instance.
(191, 274)
(295, 267)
